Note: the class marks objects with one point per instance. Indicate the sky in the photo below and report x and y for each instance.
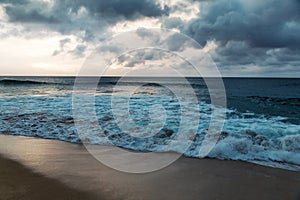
(243, 38)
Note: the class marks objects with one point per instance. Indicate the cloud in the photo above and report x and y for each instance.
(62, 43)
(271, 23)
(249, 32)
(79, 50)
(174, 23)
(130, 9)
(19, 14)
(88, 20)
(66, 11)
(176, 42)
(144, 58)
(14, 1)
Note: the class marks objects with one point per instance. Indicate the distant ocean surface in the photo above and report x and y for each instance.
(262, 124)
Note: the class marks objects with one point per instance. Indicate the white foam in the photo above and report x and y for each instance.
(249, 137)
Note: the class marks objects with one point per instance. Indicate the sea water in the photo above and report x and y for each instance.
(262, 122)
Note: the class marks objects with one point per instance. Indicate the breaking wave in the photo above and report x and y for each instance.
(265, 140)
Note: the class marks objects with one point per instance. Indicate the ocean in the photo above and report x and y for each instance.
(262, 122)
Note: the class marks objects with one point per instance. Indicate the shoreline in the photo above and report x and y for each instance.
(288, 166)
(71, 168)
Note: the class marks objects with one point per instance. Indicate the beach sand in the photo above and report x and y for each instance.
(18, 182)
(68, 171)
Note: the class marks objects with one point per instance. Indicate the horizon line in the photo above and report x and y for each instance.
(93, 76)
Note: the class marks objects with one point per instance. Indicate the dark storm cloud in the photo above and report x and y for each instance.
(62, 11)
(127, 8)
(250, 32)
(14, 1)
(18, 14)
(87, 19)
(270, 23)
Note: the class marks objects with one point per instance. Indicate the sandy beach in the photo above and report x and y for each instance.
(18, 182)
(50, 169)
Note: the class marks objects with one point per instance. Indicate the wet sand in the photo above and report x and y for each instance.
(54, 166)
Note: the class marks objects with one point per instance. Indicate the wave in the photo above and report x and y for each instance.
(104, 81)
(21, 82)
(279, 153)
(246, 136)
(282, 152)
(281, 100)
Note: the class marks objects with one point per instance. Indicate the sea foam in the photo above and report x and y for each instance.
(265, 140)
